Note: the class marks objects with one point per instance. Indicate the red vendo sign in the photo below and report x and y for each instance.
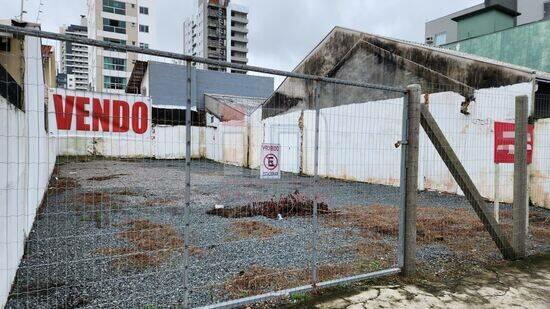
(100, 115)
(505, 139)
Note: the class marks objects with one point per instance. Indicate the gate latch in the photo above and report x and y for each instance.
(399, 143)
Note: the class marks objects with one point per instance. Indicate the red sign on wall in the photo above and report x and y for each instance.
(505, 139)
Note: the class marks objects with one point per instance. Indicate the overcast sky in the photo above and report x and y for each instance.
(281, 32)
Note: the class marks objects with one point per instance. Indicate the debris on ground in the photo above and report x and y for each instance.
(151, 244)
(293, 205)
(59, 184)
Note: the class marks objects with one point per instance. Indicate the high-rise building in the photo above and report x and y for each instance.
(219, 31)
(75, 57)
(487, 17)
(125, 22)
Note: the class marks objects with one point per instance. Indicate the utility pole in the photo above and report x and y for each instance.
(22, 11)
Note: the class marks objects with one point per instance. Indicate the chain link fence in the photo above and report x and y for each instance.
(168, 190)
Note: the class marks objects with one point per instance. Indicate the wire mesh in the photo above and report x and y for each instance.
(452, 240)
(97, 211)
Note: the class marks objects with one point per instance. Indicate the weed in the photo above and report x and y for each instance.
(300, 297)
(151, 244)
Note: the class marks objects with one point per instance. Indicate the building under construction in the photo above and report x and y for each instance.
(218, 30)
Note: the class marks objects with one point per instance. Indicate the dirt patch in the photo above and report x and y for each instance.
(126, 192)
(257, 279)
(160, 202)
(60, 184)
(375, 220)
(378, 250)
(433, 224)
(257, 229)
(151, 244)
(293, 205)
(93, 198)
(104, 178)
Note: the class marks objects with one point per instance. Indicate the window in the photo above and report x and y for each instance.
(112, 25)
(112, 82)
(144, 28)
(143, 45)
(547, 10)
(5, 44)
(114, 41)
(116, 64)
(144, 10)
(542, 101)
(115, 7)
(440, 38)
(9, 89)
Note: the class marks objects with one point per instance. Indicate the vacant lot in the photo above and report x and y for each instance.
(112, 233)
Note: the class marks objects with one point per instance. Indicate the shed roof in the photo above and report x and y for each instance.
(365, 57)
(235, 104)
(461, 56)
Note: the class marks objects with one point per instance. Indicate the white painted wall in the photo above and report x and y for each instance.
(357, 143)
(169, 142)
(539, 189)
(27, 159)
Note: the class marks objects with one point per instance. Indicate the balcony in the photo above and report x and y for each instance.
(240, 19)
(216, 56)
(215, 34)
(239, 59)
(239, 28)
(239, 38)
(240, 48)
(213, 23)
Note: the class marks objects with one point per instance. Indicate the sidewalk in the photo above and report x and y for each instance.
(524, 284)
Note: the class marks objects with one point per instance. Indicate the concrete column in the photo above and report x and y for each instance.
(519, 211)
(411, 179)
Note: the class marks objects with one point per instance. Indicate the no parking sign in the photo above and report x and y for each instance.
(270, 165)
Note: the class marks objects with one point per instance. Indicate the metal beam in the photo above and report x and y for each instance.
(145, 51)
(465, 182)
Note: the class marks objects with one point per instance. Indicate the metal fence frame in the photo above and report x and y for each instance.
(409, 162)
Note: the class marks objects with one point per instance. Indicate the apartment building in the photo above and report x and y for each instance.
(445, 30)
(75, 57)
(125, 22)
(218, 30)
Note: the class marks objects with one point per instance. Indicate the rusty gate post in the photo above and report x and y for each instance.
(187, 190)
(409, 180)
(519, 211)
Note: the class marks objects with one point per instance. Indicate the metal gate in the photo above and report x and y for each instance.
(154, 206)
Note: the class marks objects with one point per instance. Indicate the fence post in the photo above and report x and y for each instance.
(519, 212)
(409, 180)
(316, 95)
(187, 187)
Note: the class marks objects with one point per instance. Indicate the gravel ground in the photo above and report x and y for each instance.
(63, 267)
